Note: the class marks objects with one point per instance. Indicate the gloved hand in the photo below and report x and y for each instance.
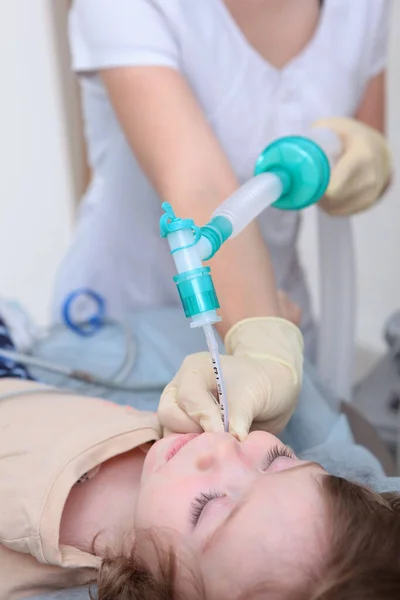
(262, 374)
(363, 171)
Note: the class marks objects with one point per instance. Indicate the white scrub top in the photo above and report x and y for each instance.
(116, 249)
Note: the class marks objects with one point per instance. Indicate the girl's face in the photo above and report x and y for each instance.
(245, 512)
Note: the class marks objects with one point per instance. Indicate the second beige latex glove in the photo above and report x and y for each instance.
(262, 374)
(363, 171)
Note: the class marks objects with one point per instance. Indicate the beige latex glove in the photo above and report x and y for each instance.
(363, 171)
(262, 376)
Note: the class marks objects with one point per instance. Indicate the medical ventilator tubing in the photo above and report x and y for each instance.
(291, 174)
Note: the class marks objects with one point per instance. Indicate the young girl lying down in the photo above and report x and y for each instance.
(90, 492)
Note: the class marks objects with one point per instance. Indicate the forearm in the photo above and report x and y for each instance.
(242, 270)
(183, 159)
(244, 279)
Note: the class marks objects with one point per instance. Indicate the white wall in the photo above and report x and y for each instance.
(37, 192)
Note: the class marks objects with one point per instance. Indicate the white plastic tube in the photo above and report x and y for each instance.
(216, 362)
(244, 205)
(189, 256)
(336, 334)
(184, 251)
(328, 141)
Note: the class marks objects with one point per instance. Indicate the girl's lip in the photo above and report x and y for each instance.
(178, 443)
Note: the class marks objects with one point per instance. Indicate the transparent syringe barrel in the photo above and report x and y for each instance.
(244, 205)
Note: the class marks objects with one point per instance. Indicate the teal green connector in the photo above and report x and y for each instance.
(217, 231)
(304, 172)
(302, 167)
(193, 281)
(196, 291)
(170, 223)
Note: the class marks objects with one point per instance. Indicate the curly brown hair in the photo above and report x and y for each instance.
(363, 561)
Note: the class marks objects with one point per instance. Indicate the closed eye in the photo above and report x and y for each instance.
(199, 504)
(274, 453)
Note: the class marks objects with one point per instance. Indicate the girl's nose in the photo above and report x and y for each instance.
(226, 450)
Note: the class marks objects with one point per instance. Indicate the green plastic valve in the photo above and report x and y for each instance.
(196, 291)
(302, 166)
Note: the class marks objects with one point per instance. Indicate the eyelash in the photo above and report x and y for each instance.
(199, 504)
(275, 453)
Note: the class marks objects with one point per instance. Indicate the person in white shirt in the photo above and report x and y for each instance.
(179, 98)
